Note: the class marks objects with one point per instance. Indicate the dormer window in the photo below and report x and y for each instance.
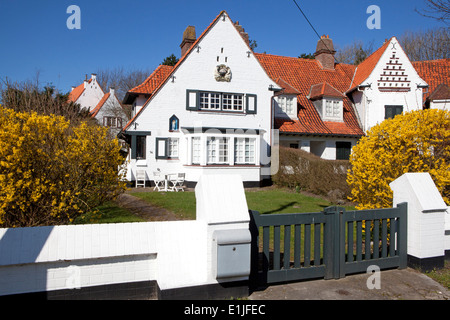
(286, 105)
(328, 102)
(333, 109)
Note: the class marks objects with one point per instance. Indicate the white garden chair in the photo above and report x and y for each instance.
(177, 182)
(159, 181)
(140, 178)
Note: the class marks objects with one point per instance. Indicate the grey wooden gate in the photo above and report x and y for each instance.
(327, 244)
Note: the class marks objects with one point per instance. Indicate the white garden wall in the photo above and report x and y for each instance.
(175, 254)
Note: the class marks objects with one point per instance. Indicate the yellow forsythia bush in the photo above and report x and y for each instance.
(51, 172)
(417, 141)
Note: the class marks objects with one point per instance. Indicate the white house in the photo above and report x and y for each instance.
(104, 107)
(222, 107)
(386, 84)
(88, 94)
(109, 112)
(211, 114)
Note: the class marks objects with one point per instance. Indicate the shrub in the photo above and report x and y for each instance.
(302, 170)
(51, 172)
(417, 141)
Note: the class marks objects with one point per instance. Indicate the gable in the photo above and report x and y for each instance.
(220, 44)
(388, 69)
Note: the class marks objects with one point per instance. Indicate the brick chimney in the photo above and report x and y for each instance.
(189, 38)
(242, 32)
(325, 52)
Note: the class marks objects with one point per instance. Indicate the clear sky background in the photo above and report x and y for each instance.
(141, 33)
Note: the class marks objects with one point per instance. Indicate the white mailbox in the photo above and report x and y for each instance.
(233, 252)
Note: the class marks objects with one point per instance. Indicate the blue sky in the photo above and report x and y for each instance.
(139, 34)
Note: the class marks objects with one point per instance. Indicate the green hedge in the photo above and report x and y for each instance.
(301, 170)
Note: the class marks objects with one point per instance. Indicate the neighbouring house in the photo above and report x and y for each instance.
(109, 112)
(88, 94)
(106, 108)
(222, 107)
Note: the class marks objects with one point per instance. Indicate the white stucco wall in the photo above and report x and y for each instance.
(221, 45)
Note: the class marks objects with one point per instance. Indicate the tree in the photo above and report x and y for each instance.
(170, 60)
(437, 9)
(306, 56)
(426, 45)
(50, 172)
(29, 96)
(417, 141)
(354, 53)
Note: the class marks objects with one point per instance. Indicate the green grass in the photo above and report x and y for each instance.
(442, 276)
(108, 213)
(266, 201)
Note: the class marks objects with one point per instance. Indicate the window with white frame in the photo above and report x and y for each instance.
(220, 101)
(173, 147)
(209, 101)
(244, 150)
(287, 104)
(196, 150)
(166, 148)
(333, 109)
(217, 150)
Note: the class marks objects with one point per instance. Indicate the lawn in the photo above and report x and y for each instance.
(266, 201)
(108, 213)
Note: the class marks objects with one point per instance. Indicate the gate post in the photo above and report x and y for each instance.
(426, 219)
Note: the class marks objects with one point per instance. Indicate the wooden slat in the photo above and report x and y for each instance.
(384, 238)
(307, 249)
(276, 247)
(350, 241)
(367, 240)
(393, 228)
(317, 244)
(297, 245)
(358, 240)
(376, 239)
(287, 247)
(266, 243)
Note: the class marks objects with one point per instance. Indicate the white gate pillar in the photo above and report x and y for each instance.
(426, 219)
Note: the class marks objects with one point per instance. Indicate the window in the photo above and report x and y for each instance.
(140, 147)
(166, 148)
(217, 150)
(287, 105)
(113, 122)
(209, 101)
(173, 148)
(392, 111)
(343, 150)
(244, 150)
(217, 101)
(328, 108)
(196, 150)
(333, 110)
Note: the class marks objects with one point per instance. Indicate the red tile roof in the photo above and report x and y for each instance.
(302, 74)
(153, 81)
(76, 92)
(366, 67)
(324, 89)
(433, 72)
(99, 105)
